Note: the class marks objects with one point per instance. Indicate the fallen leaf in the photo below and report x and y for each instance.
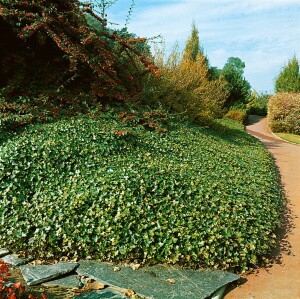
(135, 266)
(171, 280)
(129, 293)
(96, 285)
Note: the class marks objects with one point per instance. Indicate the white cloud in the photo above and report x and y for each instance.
(264, 34)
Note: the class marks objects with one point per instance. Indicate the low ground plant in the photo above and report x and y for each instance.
(112, 187)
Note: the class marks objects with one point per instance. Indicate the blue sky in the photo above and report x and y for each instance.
(263, 33)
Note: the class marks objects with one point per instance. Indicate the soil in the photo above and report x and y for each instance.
(281, 279)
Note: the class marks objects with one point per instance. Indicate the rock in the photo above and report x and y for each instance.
(219, 293)
(71, 281)
(154, 281)
(3, 252)
(104, 294)
(34, 275)
(15, 260)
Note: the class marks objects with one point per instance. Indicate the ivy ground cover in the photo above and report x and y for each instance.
(194, 196)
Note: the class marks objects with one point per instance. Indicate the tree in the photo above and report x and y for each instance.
(194, 91)
(238, 87)
(288, 79)
(192, 47)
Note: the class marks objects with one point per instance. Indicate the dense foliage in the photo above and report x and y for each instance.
(284, 113)
(52, 57)
(114, 190)
(288, 80)
(256, 104)
(112, 184)
(238, 114)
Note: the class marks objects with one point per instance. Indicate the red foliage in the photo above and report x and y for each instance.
(11, 291)
(100, 65)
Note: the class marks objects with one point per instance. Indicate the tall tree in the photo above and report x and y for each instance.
(238, 87)
(288, 79)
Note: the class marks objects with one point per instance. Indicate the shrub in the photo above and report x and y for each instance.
(257, 104)
(284, 113)
(52, 56)
(238, 115)
(201, 98)
(112, 189)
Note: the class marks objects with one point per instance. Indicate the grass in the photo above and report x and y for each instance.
(197, 196)
(293, 138)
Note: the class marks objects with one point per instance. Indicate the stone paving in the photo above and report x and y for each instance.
(96, 280)
(35, 275)
(15, 260)
(3, 252)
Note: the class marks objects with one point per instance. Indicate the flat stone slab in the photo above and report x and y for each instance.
(15, 260)
(71, 281)
(159, 282)
(34, 275)
(3, 252)
(104, 294)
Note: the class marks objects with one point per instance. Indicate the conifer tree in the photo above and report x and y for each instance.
(288, 79)
(192, 47)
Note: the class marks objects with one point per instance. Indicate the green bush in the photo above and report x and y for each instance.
(284, 113)
(66, 63)
(117, 191)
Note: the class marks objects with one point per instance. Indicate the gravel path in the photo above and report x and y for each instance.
(282, 279)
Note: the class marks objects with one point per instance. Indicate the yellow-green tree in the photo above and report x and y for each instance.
(192, 47)
(196, 93)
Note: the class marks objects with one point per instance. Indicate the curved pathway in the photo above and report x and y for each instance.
(282, 279)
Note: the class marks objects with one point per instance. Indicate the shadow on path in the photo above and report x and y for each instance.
(263, 136)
